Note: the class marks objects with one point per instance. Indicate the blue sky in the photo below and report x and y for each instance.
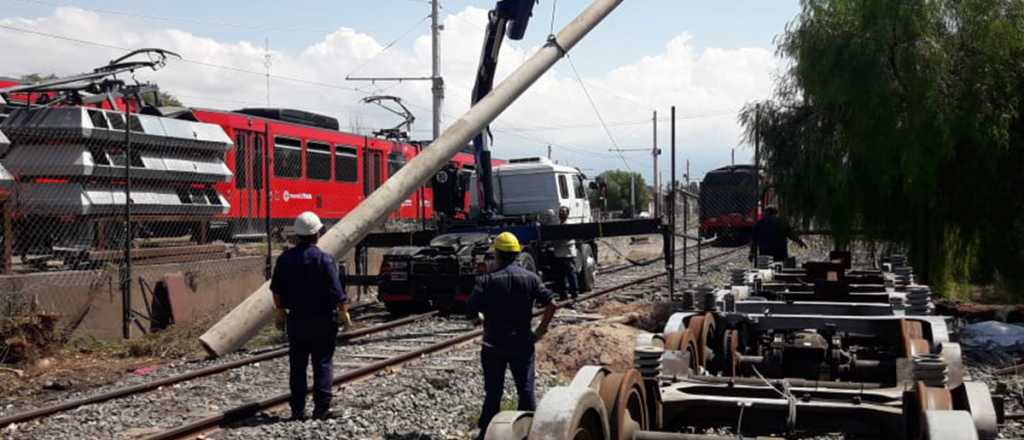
(707, 57)
(637, 27)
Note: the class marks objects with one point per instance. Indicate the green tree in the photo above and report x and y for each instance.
(902, 119)
(618, 182)
(36, 77)
(166, 100)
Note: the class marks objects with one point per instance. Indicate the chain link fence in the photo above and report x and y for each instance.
(72, 246)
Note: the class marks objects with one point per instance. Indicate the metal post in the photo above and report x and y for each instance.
(245, 320)
(686, 230)
(671, 236)
(632, 194)
(655, 153)
(700, 244)
(437, 83)
(126, 273)
(757, 174)
(268, 267)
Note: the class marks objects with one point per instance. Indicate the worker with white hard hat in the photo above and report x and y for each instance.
(307, 285)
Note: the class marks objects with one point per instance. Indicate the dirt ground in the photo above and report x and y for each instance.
(567, 348)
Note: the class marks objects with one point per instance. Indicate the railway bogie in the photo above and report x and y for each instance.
(782, 352)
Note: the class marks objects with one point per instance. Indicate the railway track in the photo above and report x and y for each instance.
(383, 358)
(251, 409)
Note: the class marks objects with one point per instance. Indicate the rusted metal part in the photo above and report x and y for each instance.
(208, 371)
(625, 399)
(1009, 371)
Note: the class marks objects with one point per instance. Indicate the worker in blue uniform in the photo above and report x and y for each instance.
(505, 298)
(306, 285)
(771, 236)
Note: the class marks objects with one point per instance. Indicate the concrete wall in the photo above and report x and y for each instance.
(93, 298)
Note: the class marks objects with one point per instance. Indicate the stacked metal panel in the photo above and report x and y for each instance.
(71, 161)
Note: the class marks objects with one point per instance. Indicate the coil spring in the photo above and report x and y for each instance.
(919, 300)
(930, 369)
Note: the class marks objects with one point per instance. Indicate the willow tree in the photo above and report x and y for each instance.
(900, 120)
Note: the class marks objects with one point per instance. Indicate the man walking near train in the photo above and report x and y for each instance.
(771, 236)
(307, 287)
(505, 298)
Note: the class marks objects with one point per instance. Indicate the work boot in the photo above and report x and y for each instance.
(321, 413)
(297, 416)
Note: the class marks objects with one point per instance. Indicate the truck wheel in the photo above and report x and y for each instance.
(525, 260)
(586, 276)
(396, 308)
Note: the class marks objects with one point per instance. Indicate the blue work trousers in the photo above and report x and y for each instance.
(495, 361)
(311, 339)
(565, 278)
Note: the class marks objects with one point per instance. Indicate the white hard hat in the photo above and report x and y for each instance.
(307, 224)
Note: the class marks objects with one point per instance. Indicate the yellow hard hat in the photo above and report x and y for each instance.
(507, 242)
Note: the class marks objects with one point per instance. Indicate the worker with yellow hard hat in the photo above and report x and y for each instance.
(506, 297)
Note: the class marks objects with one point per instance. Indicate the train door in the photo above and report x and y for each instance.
(250, 170)
(373, 162)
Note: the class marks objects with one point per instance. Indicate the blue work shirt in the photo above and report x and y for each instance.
(506, 298)
(307, 282)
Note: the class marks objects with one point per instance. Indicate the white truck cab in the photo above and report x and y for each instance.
(533, 185)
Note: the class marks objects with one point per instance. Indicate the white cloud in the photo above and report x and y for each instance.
(712, 82)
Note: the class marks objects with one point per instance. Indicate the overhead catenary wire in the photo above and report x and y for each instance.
(389, 45)
(150, 17)
(514, 131)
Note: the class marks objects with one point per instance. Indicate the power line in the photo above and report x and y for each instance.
(183, 59)
(390, 44)
(597, 112)
(220, 23)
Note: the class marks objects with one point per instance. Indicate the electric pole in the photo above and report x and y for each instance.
(266, 63)
(436, 81)
(437, 84)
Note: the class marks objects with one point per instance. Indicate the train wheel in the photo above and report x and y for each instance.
(626, 402)
(948, 425)
(919, 402)
(730, 347)
(510, 425)
(567, 413)
(707, 334)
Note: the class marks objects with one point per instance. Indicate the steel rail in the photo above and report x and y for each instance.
(195, 374)
(267, 355)
(250, 409)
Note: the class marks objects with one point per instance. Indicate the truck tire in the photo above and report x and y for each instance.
(526, 261)
(589, 271)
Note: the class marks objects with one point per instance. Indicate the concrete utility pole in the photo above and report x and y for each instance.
(436, 81)
(242, 323)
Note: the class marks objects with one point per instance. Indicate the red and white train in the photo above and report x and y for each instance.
(276, 162)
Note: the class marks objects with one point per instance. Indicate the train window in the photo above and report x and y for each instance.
(287, 157)
(395, 162)
(581, 192)
(346, 164)
(318, 161)
(563, 186)
(240, 165)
